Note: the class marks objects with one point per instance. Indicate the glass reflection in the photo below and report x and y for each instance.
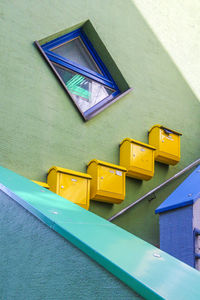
(84, 91)
(75, 51)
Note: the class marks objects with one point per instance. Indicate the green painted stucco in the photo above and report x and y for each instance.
(50, 267)
(39, 125)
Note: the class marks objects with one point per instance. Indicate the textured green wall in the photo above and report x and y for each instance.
(39, 125)
(37, 263)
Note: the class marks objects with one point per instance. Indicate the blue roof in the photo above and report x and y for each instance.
(186, 193)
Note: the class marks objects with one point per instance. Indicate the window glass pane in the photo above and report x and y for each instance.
(75, 51)
(84, 91)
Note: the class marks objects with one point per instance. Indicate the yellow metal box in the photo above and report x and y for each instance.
(44, 184)
(138, 158)
(108, 181)
(167, 143)
(72, 185)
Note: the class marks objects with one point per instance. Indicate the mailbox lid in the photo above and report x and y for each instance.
(165, 128)
(138, 143)
(106, 164)
(67, 171)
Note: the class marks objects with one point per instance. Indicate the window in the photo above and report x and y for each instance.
(81, 72)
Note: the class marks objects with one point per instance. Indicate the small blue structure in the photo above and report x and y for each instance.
(180, 221)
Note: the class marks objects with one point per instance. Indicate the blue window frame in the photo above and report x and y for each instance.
(82, 72)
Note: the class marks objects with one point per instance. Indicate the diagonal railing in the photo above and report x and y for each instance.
(190, 166)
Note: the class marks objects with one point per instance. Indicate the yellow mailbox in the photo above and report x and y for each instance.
(44, 184)
(167, 143)
(108, 181)
(138, 158)
(72, 185)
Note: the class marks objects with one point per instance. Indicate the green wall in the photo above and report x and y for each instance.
(37, 263)
(39, 125)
